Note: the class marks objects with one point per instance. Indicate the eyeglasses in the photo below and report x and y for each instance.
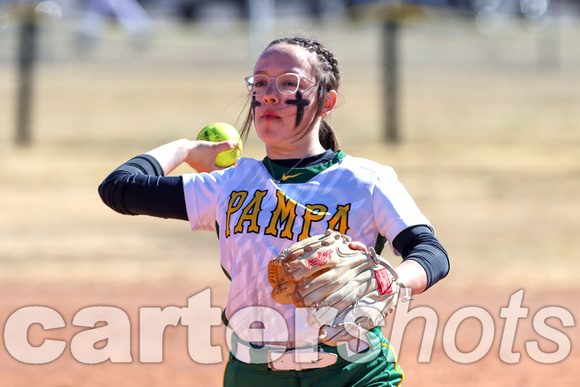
(286, 83)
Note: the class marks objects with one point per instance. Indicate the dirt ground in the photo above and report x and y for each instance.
(178, 369)
(489, 151)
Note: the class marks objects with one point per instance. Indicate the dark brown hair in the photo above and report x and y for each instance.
(328, 78)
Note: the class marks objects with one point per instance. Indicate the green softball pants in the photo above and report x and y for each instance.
(377, 366)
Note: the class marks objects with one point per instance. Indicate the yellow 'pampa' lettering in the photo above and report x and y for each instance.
(339, 221)
(284, 215)
(314, 213)
(235, 203)
(250, 214)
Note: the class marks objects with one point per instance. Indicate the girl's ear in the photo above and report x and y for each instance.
(329, 102)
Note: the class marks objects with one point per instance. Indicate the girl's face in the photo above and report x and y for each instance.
(281, 119)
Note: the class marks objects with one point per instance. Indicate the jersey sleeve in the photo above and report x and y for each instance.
(394, 208)
(202, 192)
(208, 195)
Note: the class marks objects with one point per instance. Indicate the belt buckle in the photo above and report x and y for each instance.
(297, 361)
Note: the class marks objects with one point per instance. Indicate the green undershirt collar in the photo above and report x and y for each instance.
(309, 168)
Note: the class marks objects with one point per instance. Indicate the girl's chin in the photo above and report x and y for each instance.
(270, 130)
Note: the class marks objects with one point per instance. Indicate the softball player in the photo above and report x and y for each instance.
(304, 186)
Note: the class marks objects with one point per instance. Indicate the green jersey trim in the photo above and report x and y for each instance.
(299, 175)
(226, 273)
(380, 243)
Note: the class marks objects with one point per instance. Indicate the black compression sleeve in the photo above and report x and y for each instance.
(138, 187)
(419, 244)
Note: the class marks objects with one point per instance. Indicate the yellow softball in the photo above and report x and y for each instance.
(220, 131)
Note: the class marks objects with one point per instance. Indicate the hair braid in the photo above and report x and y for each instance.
(327, 63)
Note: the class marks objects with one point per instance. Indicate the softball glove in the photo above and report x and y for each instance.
(347, 291)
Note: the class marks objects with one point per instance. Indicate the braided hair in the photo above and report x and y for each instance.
(328, 78)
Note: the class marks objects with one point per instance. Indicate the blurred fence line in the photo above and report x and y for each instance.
(62, 21)
(442, 46)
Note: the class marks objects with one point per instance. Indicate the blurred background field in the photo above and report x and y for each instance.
(489, 148)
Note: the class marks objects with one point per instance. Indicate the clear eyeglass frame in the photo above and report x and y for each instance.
(288, 83)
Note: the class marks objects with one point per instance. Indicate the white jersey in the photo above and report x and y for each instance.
(256, 217)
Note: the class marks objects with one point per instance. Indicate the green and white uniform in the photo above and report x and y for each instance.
(259, 208)
(256, 217)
